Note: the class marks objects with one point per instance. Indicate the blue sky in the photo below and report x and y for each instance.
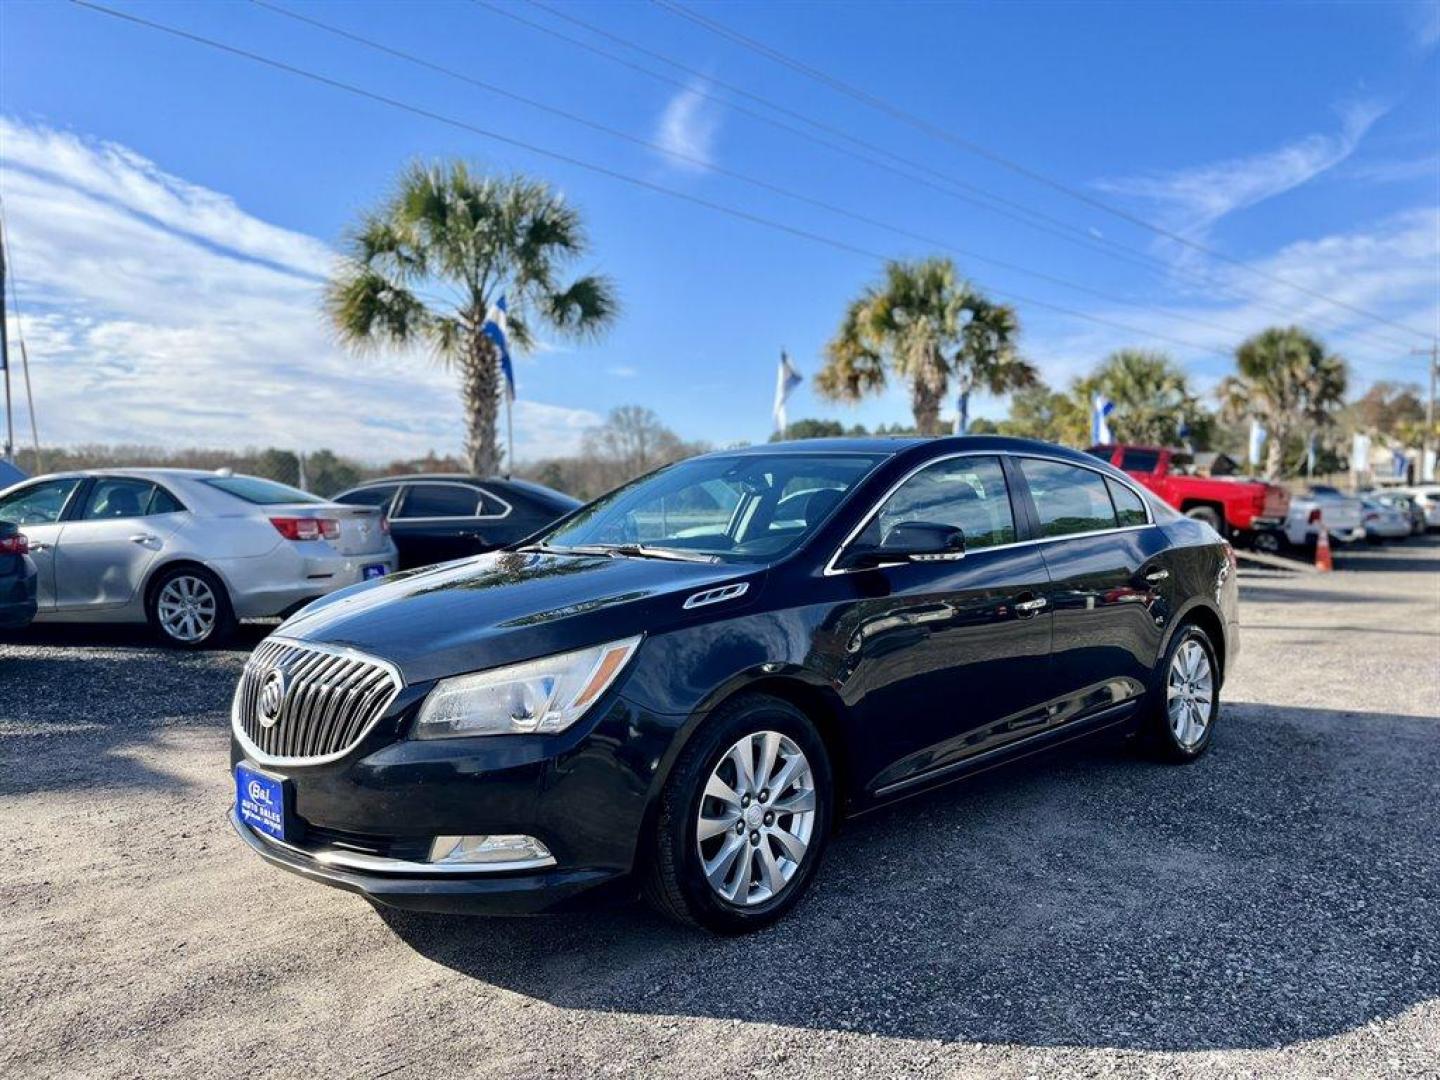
(172, 209)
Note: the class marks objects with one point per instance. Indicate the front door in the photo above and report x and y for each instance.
(37, 509)
(437, 521)
(104, 550)
(942, 660)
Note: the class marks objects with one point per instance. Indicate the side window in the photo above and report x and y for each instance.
(1129, 509)
(1133, 460)
(968, 493)
(380, 495)
(490, 506)
(439, 501)
(117, 497)
(1068, 499)
(38, 504)
(162, 502)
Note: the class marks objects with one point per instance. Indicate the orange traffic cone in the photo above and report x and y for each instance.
(1323, 562)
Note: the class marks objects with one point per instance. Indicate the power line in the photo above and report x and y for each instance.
(703, 163)
(602, 170)
(950, 186)
(945, 135)
(648, 185)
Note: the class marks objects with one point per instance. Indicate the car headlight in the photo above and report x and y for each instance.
(545, 695)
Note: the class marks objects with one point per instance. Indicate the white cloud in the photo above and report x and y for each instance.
(1192, 199)
(159, 312)
(622, 371)
(1425, 17)
(687, 129)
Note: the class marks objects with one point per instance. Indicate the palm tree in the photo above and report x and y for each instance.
(474, 239)
(923, 323)
(1152, 396)
(1286, 380)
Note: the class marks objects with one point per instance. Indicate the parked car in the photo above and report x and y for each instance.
(1407, 505)
(1342, 514)
(1427, 497)
(189, 552)
(438, 517)
(684, 685)
(1383, 521)
(1249, 511)
(18, 578)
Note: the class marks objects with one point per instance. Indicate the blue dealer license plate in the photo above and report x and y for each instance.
(260, 799)
(374, 570)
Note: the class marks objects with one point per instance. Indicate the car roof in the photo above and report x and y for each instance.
(398, 478)
(911, 445)
(141, 472)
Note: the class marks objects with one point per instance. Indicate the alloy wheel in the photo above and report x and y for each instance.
(1190, 694)
(756, 818)
(187, 608)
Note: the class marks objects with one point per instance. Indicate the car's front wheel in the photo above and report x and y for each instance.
(190, 609)
(743, 819)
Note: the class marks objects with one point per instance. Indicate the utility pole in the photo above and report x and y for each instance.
(9, 449)
(1427, 445)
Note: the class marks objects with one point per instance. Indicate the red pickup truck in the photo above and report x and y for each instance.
(1236, 507)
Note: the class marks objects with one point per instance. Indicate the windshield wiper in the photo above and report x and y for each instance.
(639, 551)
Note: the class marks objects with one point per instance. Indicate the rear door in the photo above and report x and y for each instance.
(1111, 587)
(39, 509)
(945, 660)
(105, 549)
(439, 520)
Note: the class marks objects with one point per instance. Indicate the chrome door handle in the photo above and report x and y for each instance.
(1157, 576)
(1031, 605)
(39, 547)
(143, 538)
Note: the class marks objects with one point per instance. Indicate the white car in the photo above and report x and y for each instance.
(1383, 521)
(1427, 497)
(188, 552)
(1342, 514)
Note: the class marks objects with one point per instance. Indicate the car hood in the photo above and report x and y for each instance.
(505, 607)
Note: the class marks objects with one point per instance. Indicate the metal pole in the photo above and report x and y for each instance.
(1428, 442)
(509, 435)
(9, 454)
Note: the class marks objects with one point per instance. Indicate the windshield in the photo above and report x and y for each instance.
(261, 492)
(742, 507)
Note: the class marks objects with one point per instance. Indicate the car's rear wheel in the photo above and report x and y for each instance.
(190, 609)
(1209, 515)
(1268, 542)
(1186, 701)
(743, 820)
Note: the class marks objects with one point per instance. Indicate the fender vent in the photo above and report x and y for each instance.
(714, 596)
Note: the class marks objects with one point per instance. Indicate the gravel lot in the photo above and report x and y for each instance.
(1273, 910)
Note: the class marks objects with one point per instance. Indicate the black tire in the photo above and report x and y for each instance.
(1160, 737)
(220, 627)
(1269, 542)
(1209, 516)
(673, 878)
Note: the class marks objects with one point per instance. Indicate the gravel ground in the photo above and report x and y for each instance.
(1271, 911)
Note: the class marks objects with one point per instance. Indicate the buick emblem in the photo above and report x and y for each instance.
(272, 696)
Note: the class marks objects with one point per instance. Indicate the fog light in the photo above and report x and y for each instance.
(489, 850)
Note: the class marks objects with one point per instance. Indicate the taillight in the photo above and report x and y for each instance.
(1314, 517)
(306, 528)
(19, 544)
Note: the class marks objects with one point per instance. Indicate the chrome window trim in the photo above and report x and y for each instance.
(406, 483)
(831, 570)
(260, 757)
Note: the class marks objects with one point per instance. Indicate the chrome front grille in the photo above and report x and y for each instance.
(321, 701)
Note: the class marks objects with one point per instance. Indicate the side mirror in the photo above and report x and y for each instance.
(911, 541)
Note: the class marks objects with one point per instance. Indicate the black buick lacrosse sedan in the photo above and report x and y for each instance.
(682, 687)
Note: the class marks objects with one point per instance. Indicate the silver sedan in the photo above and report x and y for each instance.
(188, 552)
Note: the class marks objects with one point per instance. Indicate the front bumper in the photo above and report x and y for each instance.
(583, 793)
(552, 890)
